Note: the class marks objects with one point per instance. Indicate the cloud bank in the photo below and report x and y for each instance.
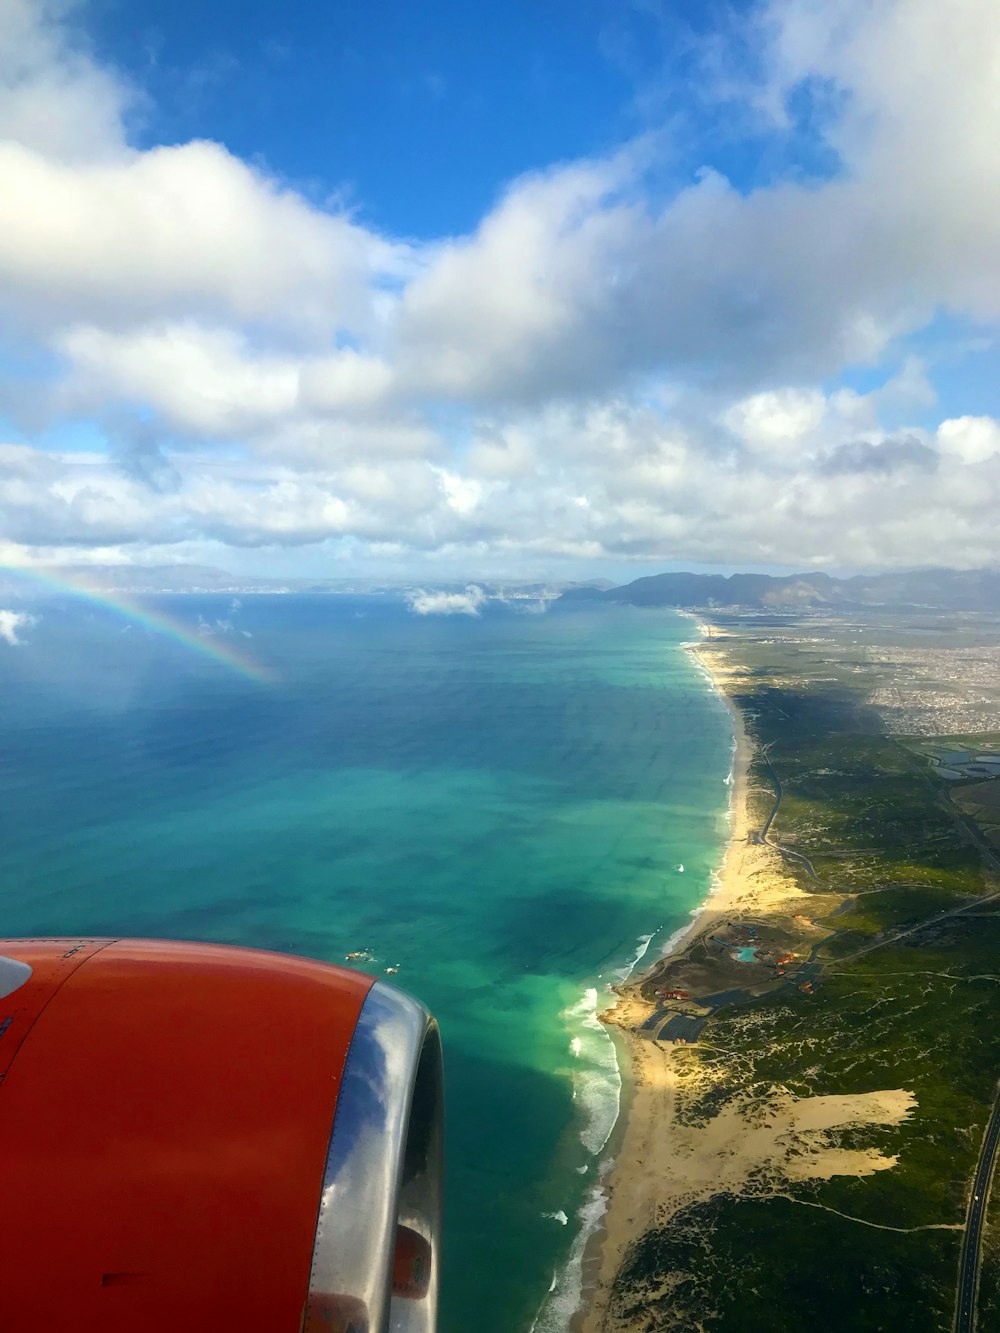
(603, 369)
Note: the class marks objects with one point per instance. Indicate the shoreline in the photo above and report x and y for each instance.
(639, 971)
(770, 1072)
(605, 1244)
(644, 1185)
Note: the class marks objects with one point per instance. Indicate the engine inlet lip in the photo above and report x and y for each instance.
(383, 1169)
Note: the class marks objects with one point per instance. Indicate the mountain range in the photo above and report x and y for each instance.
(938, 589)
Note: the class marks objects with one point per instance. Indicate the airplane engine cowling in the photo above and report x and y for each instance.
(195, 1137)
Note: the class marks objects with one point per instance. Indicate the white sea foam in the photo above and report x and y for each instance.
(641, 946)
(672, 941)
(702, 629)
(596, 1080)
(597, 1089)
(567, 1286)
(599, 1096)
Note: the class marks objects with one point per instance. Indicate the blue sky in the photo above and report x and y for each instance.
(532, 289)
(419, 114)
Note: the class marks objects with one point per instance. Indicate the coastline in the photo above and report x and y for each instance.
(766, 1063)
(648, 1180)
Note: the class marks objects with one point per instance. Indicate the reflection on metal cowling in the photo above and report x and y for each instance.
(375, 1260)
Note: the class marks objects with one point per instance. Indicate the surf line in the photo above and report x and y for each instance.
(158, 622)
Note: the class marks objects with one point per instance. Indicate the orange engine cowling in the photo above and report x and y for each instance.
(201, 1137)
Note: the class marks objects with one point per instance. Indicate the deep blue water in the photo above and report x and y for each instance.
(498, 805)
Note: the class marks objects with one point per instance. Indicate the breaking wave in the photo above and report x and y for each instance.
(641, 948)
(597, 1081)
(597, 1086)
(567, 1285)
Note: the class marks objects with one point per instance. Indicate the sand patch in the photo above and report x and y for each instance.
(890, 1107)
(754, 1146)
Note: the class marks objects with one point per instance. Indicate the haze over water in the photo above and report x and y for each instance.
(497, 805)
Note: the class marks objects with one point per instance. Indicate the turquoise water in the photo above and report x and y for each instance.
(499, 806)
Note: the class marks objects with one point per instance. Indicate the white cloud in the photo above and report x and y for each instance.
(512, 308)
(610, 479)
(463, 495)
(53, 97)
(176, 232)
(466, 603)
(12, 623)
(598, 370)
(776, 420)
(971, 439)
(576, 282)
(211, 382)
(345, 381)
(202, 381)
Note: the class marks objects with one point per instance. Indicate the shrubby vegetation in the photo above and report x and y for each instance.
(921, 1012)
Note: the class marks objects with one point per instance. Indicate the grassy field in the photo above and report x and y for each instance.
(909, 998)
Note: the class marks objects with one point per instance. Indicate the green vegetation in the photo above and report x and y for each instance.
(739, 1265)
(989, 1284)
(909, 997)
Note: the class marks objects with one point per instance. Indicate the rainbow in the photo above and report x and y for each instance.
(155, 621)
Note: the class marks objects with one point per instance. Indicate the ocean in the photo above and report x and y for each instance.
(499, 806)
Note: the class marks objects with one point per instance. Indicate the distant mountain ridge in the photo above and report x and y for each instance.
(940, 589)
(934, 589)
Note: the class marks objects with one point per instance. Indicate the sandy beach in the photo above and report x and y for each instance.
(666, 1161)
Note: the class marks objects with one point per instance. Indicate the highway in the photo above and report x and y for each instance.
(968, 1262)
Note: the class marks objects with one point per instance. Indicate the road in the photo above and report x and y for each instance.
(969, 1259)
(778, 794)
(921, 925)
